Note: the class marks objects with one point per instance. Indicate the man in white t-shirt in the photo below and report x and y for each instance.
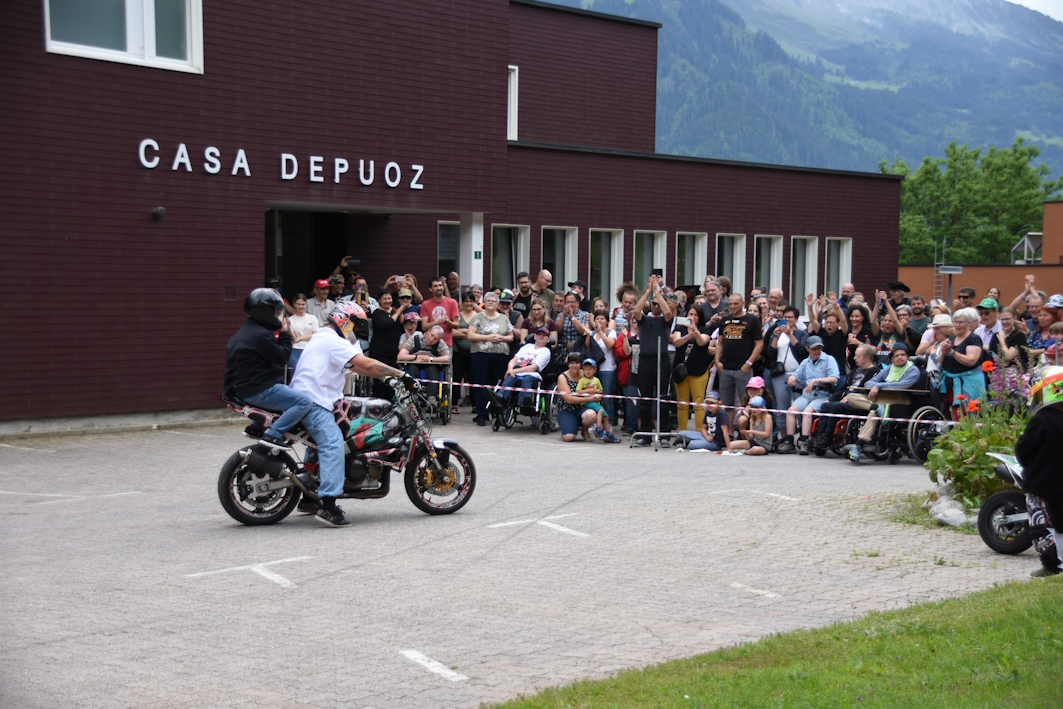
(330, 352)
(525, 367)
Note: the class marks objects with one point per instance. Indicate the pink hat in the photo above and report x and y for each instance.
(755, 383)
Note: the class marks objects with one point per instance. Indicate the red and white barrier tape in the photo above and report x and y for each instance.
(691, 403)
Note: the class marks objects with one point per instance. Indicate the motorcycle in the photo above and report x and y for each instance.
(1004, 521)
(262, 484)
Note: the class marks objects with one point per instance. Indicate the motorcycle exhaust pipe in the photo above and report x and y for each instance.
(271, 466)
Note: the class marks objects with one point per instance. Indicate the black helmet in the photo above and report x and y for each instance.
(262, 305)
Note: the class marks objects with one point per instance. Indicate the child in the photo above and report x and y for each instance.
(1054, 345)
(715, 432)
(755, 387)
(1037, 450)
(756, 440)
(590, 384)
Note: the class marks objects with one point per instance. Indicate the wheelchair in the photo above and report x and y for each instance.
(900, 439)
(540, 406)
(436, 396)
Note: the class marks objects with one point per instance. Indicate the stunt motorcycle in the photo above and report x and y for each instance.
(1003, 520)
(261, 484)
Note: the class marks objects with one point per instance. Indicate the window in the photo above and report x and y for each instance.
(509, 254)
(511, 113)
(767, 261)
(448, 245)
(166, 34)
(804, 252)
(691, 259)
(651, 248)
(559, 255)
(839, 264)
(731, 260)
(607, 262)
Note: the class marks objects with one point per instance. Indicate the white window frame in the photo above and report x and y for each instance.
(811, 272)
(775, 278)
(660, 253)
(512, 95)
(845, 269)
(571, 257)
(616, 262)
(738, 279)
(700, 256)
(523, 247)
(140, 33)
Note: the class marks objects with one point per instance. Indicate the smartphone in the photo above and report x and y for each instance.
(682, 322)
(400, 279)
(659, 272)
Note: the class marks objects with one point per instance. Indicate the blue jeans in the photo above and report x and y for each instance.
(631, 406)
(293, 361)
(321, 424)
(608, 380)
(524, 381)
(696, 442)
(294, 404)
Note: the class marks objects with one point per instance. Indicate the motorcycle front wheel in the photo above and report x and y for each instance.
(441, 492)
(1000, 535)
(236, 491)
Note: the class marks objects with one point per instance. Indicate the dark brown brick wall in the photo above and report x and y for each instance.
(603, 191)
(584, 80)
(122, 313)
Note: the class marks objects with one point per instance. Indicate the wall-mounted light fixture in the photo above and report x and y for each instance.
(159, 213)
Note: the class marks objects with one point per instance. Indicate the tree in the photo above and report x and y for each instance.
(975, 207)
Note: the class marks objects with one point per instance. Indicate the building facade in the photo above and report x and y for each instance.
(484, 136)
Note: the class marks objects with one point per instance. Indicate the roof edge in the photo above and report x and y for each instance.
(589, 13)
(709, 161)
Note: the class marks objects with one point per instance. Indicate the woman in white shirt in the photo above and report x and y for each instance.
(606, 338)
(303, 327)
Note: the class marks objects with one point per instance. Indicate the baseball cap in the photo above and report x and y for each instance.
(714, 395)
(581, 284)
(591, 362)
(507, 296)
(757, 402)
(544, 330)
(321, 283)
(755, 383)
(1056, 301)
(813, 341)
(988, 304)
(411, 317)
(336, 279)
(405, 293)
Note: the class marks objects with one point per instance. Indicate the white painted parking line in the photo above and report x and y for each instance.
(120, 494)
(433, 666)
(759, 592)
(23, 448)
(544, 522)
(34, 494)
(182, 433)
(259, 569)
(755, 492)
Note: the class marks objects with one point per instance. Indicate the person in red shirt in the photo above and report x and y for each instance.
(440, 310)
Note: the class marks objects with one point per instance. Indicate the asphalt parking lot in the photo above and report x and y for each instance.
(127, 585)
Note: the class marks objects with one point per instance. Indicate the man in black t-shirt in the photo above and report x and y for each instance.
(524, 297)
(738, 347)
(654, 328)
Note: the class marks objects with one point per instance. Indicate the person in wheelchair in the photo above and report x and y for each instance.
(901, 374)
(845, 400)
(816, 376)
(426, 353)
(525, 369)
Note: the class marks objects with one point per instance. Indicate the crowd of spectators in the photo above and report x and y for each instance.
(751, 372)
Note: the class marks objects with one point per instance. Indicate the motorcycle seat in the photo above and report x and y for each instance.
(233, 400)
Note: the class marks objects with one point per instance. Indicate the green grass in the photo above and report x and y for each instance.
(1002, 647)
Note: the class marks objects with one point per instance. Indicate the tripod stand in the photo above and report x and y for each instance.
(656, 436)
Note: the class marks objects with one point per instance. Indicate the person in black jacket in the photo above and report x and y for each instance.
(1038, 452)
(254, 366)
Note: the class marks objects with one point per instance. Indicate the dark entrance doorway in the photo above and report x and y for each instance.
(303, 246)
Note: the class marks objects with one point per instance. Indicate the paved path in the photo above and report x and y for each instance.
(571, 561)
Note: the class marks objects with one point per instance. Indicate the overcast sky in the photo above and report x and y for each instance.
(1052, 8)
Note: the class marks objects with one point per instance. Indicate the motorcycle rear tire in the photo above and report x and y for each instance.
(1010, 538)
(459, 461)
(281, 502)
